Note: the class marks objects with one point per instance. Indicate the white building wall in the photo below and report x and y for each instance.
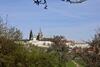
(73, 45)
(41, 43)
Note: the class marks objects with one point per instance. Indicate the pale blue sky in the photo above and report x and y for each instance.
(75, 21)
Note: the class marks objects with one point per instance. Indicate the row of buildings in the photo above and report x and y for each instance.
(41, 41)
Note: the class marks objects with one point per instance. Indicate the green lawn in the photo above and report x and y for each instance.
(70, 64)
(80, 62)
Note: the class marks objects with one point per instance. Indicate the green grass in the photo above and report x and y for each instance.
(70, 64)
(80, 62)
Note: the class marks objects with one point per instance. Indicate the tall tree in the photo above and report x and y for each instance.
(31, 35)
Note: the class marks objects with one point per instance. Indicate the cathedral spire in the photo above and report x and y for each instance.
(40, 31)
(40, 35)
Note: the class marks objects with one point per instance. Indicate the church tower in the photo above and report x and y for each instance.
(40, 35)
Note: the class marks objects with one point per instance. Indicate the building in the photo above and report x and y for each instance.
(73, 44)
(39, 40)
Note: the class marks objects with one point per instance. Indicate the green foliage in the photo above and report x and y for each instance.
(59, 47)
(7, 49)
(91, 57)
(70, 64)
(16, 55)
(13, 54)
(39, 58)
(80, 61)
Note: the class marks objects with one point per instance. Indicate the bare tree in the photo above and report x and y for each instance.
(14, 33)
(44, 2)
(91, 56)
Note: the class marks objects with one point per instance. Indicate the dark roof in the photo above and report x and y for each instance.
(23, 40)
(47, 39)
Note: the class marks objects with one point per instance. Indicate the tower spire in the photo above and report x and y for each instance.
(40, 30)
(40, 35)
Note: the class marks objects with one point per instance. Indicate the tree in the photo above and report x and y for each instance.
(3, 27)
(92, 57)
(44, 2)
(59, 43)
(14, 33)
(95, 42)
(31, 35)
(7, 48)
(59, 46)
(9, 32)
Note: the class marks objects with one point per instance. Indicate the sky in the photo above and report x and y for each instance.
(74, 21)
